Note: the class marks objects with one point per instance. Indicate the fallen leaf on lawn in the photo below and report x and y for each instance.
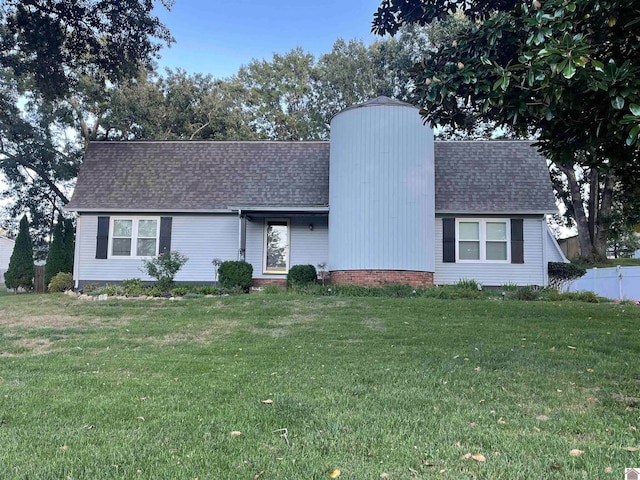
(64, 447)
(607, 470)
(555, 466)
(478, 457)
(443, 470)
(590, 370)
(268, 401)
(536, 429)
(385, 475)
(575, 452)
(472, 424)
(559, 391)
(631, 449)
(335, 474)
(542, 418)
(553, 349)
(140, 418)
(571, 347)
(466, 456)
(501, 421)
(590, 399)
(413, 472)
(258, 475)
(477, 369)
(427, 463)
(236, 433)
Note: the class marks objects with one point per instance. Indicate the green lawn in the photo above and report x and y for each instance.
(375, 387)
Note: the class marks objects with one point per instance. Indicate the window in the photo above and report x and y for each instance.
(134, 237)
(482, 240)
(276, 251)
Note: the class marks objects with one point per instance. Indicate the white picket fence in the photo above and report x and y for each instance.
(618, 282)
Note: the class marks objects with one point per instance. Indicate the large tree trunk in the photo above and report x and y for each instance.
(580, 216)
(604, 218)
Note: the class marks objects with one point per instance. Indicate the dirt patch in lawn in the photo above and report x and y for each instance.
(373, 324)
(56, 321)
(29, 346)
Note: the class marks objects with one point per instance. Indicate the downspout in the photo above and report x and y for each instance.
(242, 235)
(545, 262)
(76, 254)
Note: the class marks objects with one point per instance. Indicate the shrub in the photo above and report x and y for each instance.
(111, 290)
(133, 287)
(467, 284)
(21, 267)
(301, 275)
(561, 273)
(527, 293)
(272, 290)
(235, 274)
(90, 287)
(208, 290)
(61, 282)
(164, 268)
(179, 291)
(154, 291)
(192, 295)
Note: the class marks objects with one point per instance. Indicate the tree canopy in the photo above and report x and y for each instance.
(566, 71)
(569, 69)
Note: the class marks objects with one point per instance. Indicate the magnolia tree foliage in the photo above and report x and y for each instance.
(566, 71)
(568, 68)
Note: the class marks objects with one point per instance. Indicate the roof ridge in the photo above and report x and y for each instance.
(116, 142)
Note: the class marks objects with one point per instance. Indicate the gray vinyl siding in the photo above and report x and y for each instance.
(532, 272)
(306, 247)
(381, 190)
(6, 249)
(200, 237)
(552, 249)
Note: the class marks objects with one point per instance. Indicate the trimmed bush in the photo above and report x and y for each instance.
(21, 267)
(301, 275)
(235, 274)
(561, 273)
(61, 282)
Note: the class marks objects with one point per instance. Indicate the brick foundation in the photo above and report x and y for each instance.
(261, 282)
(380, 278)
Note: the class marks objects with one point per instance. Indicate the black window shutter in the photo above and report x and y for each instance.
(449, 240)
(517, 241)
(102, 240)
(165, 235)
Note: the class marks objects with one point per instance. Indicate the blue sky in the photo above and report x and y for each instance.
(217, 37)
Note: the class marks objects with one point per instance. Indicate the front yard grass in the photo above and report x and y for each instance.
(376, 387)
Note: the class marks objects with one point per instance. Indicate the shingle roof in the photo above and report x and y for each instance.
(491, 177)
(471, 177)
(202, 175)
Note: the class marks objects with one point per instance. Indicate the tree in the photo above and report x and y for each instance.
(567, 71)
(52, 42)
(56, 256)
(21, 267)
(51, 51)
(60, 255)
(280, 94)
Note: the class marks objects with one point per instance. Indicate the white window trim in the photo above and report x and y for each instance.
(483, 239)
(134, 237)
(264, 246)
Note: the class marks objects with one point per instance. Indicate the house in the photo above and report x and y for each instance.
(379, 203)
(6, 249)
